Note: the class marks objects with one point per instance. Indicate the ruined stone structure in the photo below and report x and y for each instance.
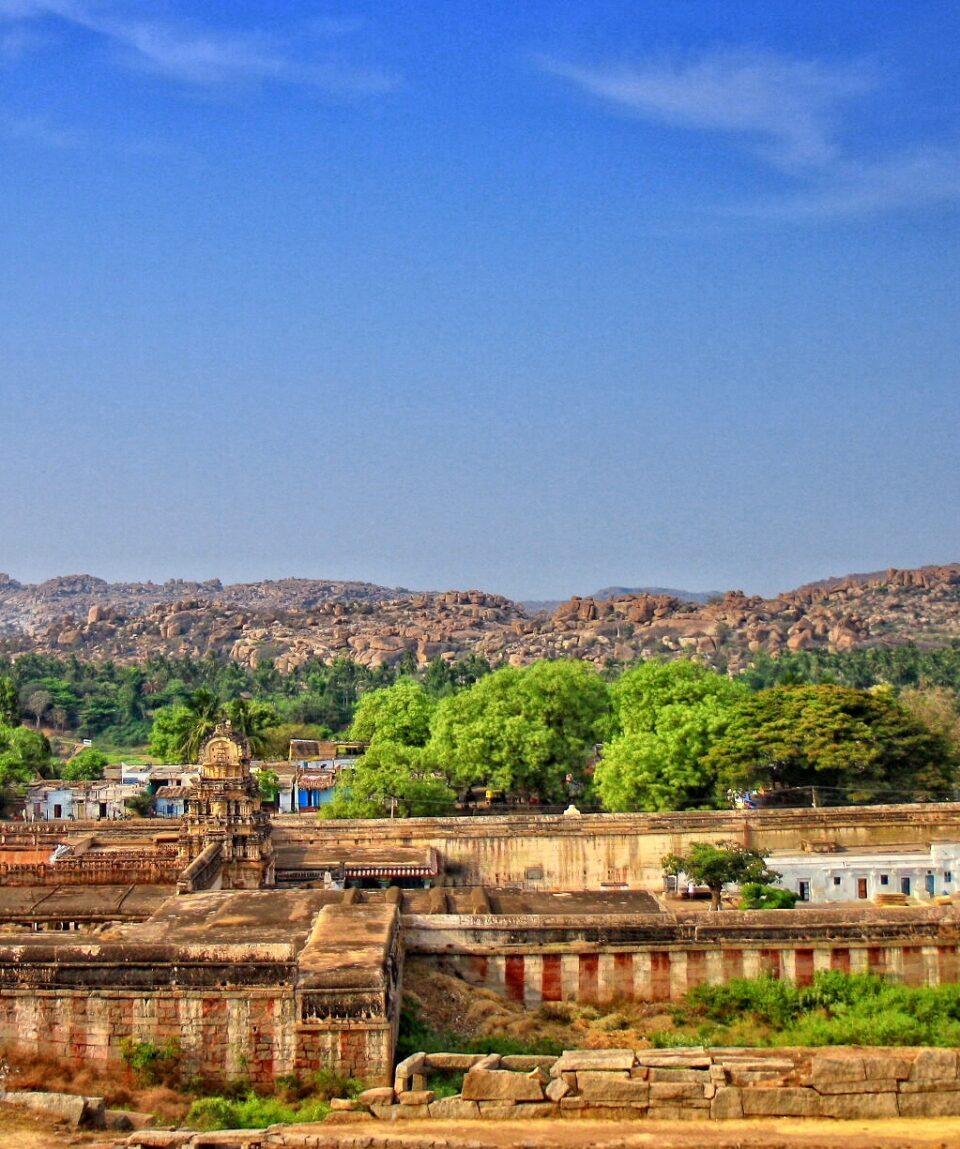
(259, 983)
(296, 974)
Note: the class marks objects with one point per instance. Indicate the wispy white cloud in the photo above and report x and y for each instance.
(785, 107)
(185, 52)
(791, 113)
(40, 132)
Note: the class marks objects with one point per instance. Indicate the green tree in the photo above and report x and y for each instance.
(523, 731)
(23, 754)
(391, 779)
(718, 865)
(669, 715)
(844, 744)
(268, 783)
(400, 713)
(87, 766)
(253, 719)
(171, 733)
(9, 703)
(37, 703)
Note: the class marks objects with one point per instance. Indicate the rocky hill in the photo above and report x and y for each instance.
(293, 620)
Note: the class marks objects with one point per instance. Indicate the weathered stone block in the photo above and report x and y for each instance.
(454, 1060)
(497, 1110)
(929, 1086)
(886, 1065)
(598, 1086)
(726, 1104)
(688, 1075)
(416, 1097)
(557, 1089)
(379, 1095)
(852, 1106)
(934, 1065)
(345, 1104)
(600, 1111)
(399, 1112)
(65, 1106)
(577, 1059)
(780, 1102)
(501, 1085)
(675, 1091)
(837, 1066)
(878, 1085)
(524, 1062)
(454, 1109)
(346, 1116)
(690, 1058)
(929, 1104)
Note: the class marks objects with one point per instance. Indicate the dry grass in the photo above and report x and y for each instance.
(448, 1004)
(117, 1087)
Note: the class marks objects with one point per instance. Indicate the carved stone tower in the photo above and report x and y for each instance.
(223, 816)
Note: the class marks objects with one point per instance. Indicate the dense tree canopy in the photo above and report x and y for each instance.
(669, 715)
(87, 766)
(23, 754)
(523, 731)
(851, 745)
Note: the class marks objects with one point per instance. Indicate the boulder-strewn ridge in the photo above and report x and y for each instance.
(293, 620)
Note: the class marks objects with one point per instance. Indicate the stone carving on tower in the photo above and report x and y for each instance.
(223, 809)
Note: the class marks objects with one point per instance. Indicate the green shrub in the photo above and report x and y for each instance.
(151, 1064)
(757, 896)
(251, 1112)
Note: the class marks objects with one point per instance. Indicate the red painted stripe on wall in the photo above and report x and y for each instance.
(513, 977)
(732, 964)
(623, 975)
(840, 959)
(589, 971)
(696, 968)
(659, 976)
(803, 966)
(551, 982)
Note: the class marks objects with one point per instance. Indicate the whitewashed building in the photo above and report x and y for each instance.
(827, 875)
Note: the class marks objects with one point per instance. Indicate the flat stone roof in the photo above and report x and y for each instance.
(348, 948)
(80, 903)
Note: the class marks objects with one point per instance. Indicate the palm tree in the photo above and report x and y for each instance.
(251, 719)
(205, 710)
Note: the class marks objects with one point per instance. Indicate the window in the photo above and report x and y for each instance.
(803, 891)
(948, 875)
(836, 881)
(884, 879)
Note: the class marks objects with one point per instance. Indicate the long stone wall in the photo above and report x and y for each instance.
(611, 851)
(675, 1084)
(658, 957)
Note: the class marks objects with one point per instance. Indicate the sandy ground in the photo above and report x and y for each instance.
(785, 1133)
(20, 1129)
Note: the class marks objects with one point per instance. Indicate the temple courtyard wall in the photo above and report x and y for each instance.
(659, 957)
(614, 851)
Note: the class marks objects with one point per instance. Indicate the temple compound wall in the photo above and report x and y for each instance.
(658, 957)
(255, 984)
(614, 851)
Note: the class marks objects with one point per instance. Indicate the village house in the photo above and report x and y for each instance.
(58, 800)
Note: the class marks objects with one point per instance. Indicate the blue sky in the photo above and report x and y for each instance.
(531, 297)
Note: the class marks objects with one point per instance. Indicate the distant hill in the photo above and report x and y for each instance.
(548, 605)
(291, 621)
